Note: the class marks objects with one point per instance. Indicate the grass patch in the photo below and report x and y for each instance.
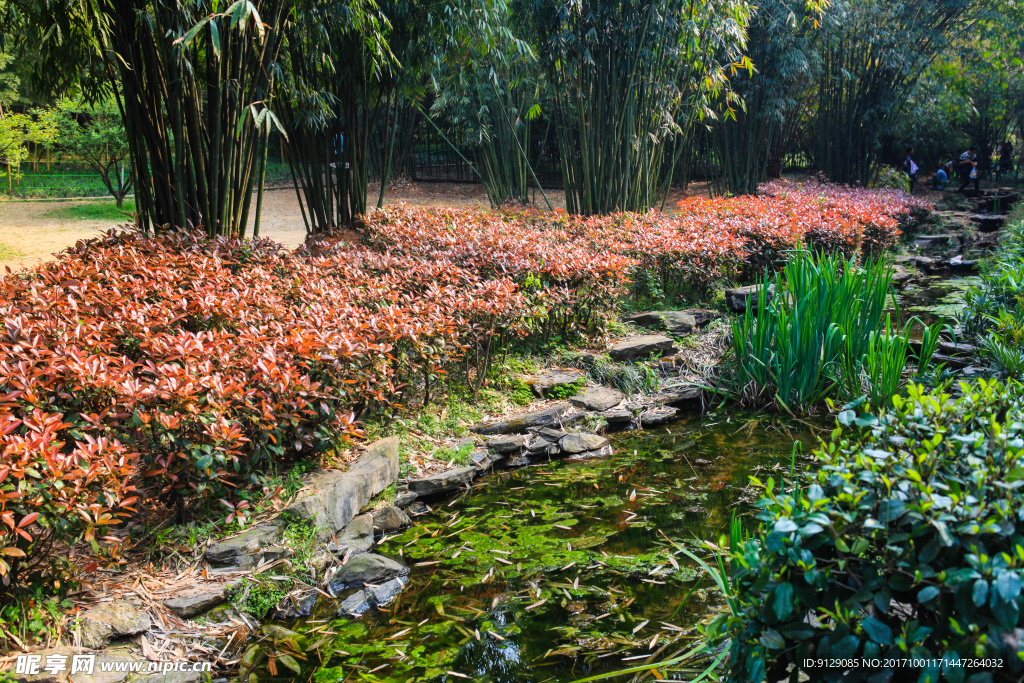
(93, 211)
(8, 253)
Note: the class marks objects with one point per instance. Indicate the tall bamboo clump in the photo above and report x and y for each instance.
(491, 96)
(627, 77)
(195, 91)
(753, 131)
(872, 53)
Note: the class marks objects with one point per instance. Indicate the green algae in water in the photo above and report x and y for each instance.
(545, 572)
(937, 299)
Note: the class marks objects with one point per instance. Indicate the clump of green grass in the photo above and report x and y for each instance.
(9, 253)
(629, 378)
(93, 211)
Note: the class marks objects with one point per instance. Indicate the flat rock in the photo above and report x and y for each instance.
(110, 620)
(738, 298)
(508, 443)
(679, 396)
(988, 222)
(578, 443)
(295, 606)
(365, 569)
(657, 416)
(356, 537)
(703, 316)
(443, 481)
(561, 413)
(389, 519)
(356, 604)
(901, 276)
(553, 435)
(598, 398)
(642, 347)
(404, 499)
(555, 378)
(617, 416)
(934, 241)
(539, 444)
(484, 460)
(366, 599)
(600, 452)
(386, 592)
(188, 603)
(246, 549)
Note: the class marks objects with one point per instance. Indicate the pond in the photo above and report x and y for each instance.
(936, 299)
(562, 569)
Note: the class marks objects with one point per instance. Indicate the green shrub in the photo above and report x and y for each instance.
(907, 542)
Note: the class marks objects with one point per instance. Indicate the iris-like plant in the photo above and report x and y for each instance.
(825, 333)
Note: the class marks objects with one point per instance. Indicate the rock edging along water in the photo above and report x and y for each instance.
(332, 500)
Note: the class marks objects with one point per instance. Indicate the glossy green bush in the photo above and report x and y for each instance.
(906, 542)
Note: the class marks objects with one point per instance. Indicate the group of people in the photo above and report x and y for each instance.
(966, 166)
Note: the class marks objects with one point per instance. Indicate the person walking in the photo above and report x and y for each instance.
(1005, 159)
(910, 168)
(968, 166)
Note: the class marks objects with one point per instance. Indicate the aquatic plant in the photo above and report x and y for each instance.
(825, 333)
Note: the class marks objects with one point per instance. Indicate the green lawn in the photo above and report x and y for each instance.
(94, 211)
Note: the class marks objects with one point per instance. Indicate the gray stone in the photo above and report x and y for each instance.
(553, 435)
(110, 620)
(295, 606)
(390, 519)
(443, 481)
(539, 444)
(934, 241)
(679, 396)
(506, 443)
(356, 604)
(738, 298)
(331, 500)
(193, 601)
(554, 378)
(901, 276)
(617, 416)
(650, 319)
(642, 347)
(578, 443)
(518, 460)
(404, 499)
(597, 398)
(600, 452)
(485, 460)
(386, 592)
(988, 222)
(657, 416)
(366, 569)
(245, 549)
(702, 316)
(676, 323)
(561, 413)
(357, 536)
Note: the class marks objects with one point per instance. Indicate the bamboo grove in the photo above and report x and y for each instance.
(623, 99)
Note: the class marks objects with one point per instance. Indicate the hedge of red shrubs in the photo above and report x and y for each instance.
(194, 363)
